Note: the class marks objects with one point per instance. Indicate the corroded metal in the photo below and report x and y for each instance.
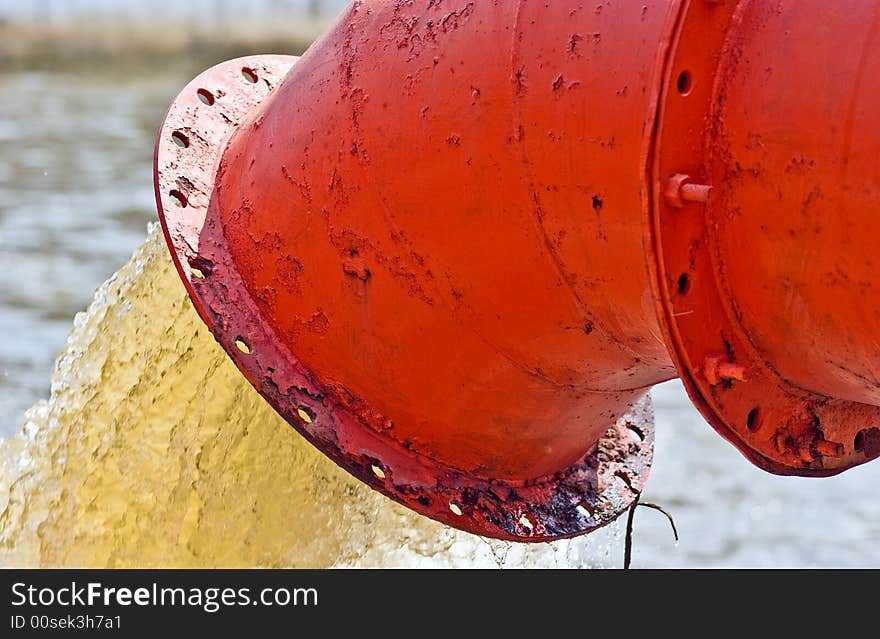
(586, 494)
(458, 274)
(767, 291)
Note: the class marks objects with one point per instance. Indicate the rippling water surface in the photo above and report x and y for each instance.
(75, 198)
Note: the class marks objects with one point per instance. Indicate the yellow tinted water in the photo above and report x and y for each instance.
(153, 450)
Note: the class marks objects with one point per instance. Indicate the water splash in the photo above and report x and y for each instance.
(153, 450)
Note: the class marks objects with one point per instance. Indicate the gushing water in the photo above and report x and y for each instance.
(153, 450)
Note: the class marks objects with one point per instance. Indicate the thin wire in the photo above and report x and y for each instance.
(628, 541)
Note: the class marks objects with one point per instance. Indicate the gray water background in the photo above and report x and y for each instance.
(75, 198)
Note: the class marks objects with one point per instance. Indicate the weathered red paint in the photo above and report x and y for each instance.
(773, 281)
(453, 242)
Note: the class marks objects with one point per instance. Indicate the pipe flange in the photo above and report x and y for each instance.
(779, 427)
(223, 102)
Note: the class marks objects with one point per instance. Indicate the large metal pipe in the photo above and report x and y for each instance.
(456, 244)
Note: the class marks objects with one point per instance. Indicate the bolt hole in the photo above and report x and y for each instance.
(378, 472)
(753, 421)
(180, 139)
(584, 510)
(306, 415)
(625, 480)
(859, 442)
(455, 509)
(249, 75)
(205, 96)
(867, 442)
(242, 346)
(200, 267)
(684, 284)
(637, 432)
(178, 198)
(525, 521)
(685, 83)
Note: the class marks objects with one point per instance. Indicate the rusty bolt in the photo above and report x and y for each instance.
(829, 449)
(679, 190)
(717, 368)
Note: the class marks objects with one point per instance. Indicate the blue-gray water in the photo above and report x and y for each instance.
(75, 198)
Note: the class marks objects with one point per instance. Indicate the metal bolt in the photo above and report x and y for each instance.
(680, 190)
(829, 449)
(717, 368)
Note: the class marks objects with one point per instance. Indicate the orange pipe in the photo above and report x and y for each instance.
(455, 246)
(767, 292)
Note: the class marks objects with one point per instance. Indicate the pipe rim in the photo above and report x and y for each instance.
(779, 427)
(590, 494)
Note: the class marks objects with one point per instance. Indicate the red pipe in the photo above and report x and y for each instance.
(456, 245)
